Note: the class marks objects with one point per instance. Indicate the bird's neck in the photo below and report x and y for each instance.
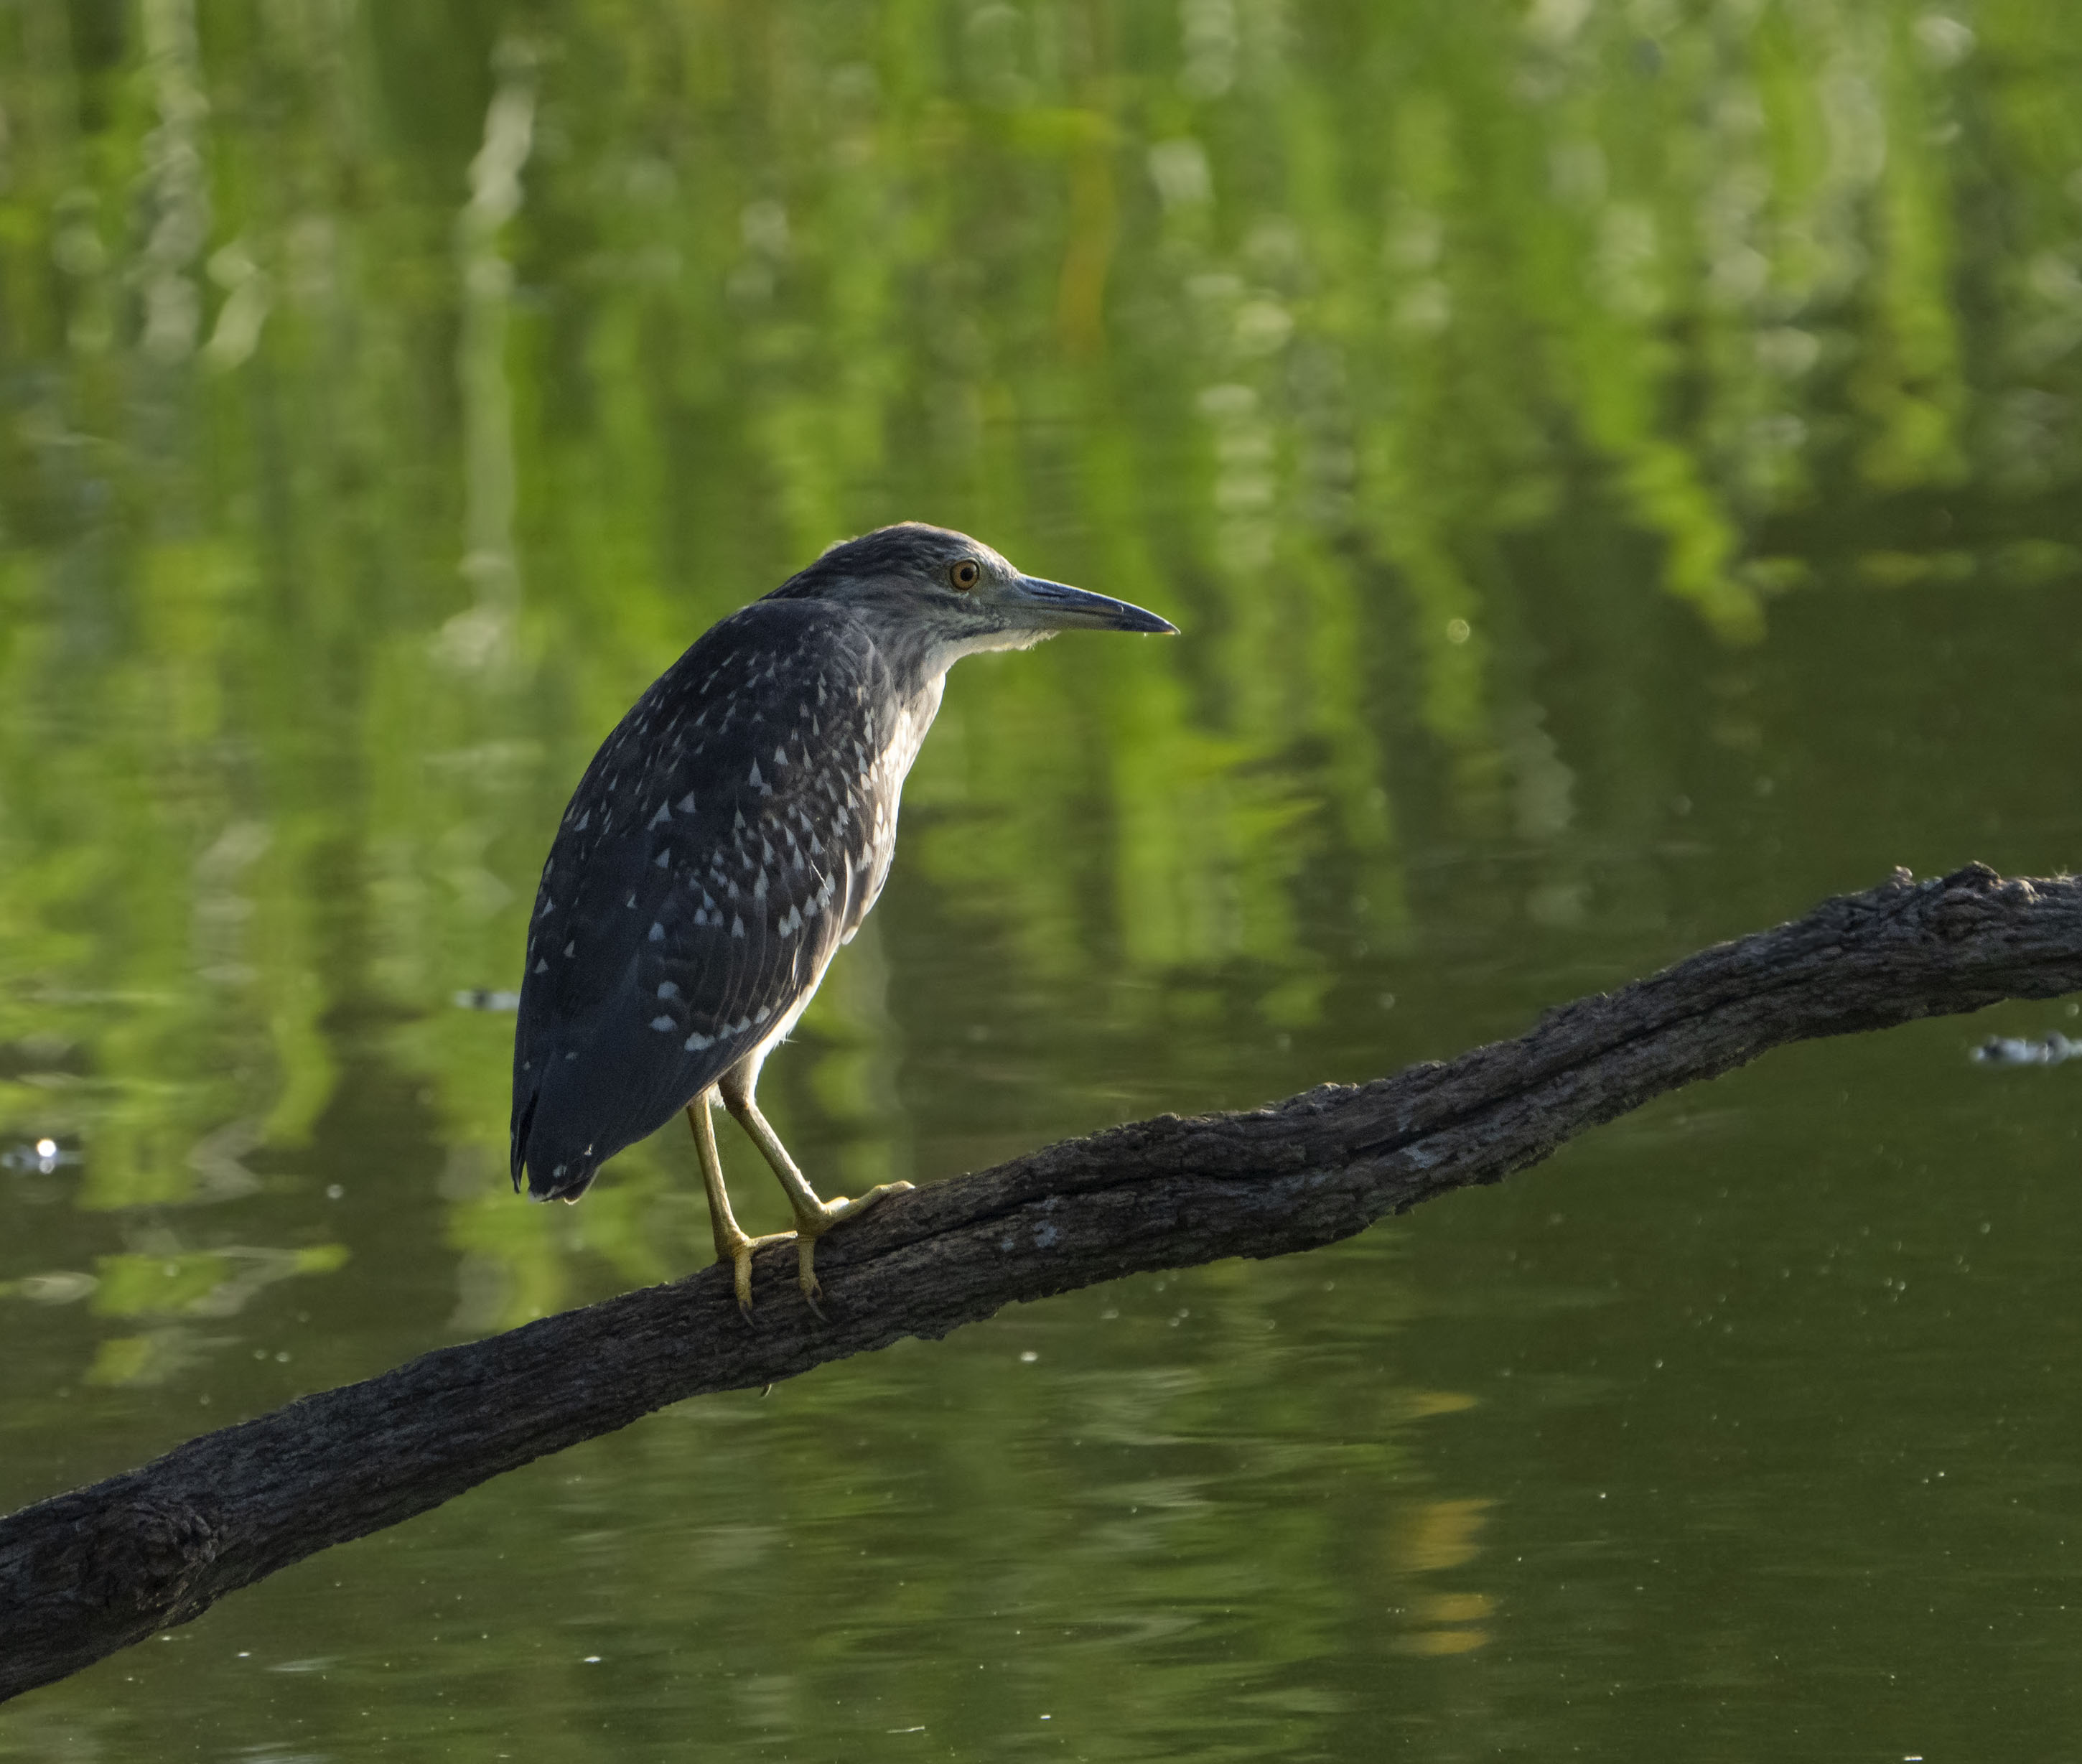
(918, 709)
(917, 665)
(918, 659)
(918, 656)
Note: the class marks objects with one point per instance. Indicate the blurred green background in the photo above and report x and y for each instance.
(1617, 464)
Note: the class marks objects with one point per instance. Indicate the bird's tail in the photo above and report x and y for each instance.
(524, 1118)
(566, 1187)
(563, 1178)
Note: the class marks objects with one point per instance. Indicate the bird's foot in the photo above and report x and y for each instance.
(734, 1247)
(810, 1226)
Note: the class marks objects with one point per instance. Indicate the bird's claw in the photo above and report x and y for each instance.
(810, 1226)
(811, 1293)
(737, 1249)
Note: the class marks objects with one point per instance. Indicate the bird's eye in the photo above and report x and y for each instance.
(964, 576)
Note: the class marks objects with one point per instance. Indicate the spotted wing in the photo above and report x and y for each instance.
(720, 846)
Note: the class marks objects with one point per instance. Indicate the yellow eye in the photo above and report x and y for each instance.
(965, 576)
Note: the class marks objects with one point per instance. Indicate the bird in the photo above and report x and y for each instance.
(731, 834)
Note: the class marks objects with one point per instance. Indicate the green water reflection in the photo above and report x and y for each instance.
(1617, 467)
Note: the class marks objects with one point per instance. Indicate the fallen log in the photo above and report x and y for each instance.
(86, 1574)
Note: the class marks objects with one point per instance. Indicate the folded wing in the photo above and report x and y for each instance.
(721, 845)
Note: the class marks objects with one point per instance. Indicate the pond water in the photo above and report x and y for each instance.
(1617, 469)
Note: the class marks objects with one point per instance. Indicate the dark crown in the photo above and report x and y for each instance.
(910, 548)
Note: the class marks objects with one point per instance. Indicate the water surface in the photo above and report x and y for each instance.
(1617, 469)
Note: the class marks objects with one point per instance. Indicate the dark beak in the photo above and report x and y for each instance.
(1052, 606)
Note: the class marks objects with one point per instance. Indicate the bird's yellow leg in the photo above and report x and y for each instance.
(813, 1217)
(732, 1245)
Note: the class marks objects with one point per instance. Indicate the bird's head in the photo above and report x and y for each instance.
(953, 595)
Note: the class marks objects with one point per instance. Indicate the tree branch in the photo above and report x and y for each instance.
(87, 1573)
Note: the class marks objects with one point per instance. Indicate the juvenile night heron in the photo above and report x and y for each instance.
(730, 834)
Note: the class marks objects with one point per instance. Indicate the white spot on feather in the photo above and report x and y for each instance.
(662, 1023)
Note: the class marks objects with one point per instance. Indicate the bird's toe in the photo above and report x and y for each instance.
(738, 1250)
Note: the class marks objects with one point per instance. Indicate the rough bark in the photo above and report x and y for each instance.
(87, 1573)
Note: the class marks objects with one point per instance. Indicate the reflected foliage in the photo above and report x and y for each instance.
(1495, 393)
